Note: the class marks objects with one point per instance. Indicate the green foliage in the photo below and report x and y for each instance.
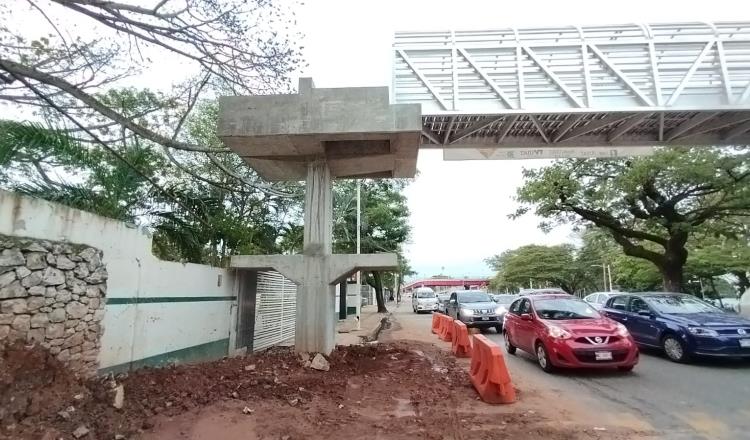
(227, 216)
(99, 182)
(384, 225)
(649, 205)
(544, 266)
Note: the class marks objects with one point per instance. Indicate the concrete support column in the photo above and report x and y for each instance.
(318, 210)
(316, 322)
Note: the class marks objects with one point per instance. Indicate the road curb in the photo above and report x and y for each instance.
(373, 334)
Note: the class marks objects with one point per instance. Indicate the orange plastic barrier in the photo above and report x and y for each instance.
(461, 346)
(446, 329)
(436, 322)
(488, 373)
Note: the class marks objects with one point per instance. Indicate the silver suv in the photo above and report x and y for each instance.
(476, 309)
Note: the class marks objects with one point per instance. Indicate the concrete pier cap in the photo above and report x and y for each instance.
(318, 135)
(356, 130)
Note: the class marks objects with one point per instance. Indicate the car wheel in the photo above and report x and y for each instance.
(626, 368)
(674, 349)
(499, 329)
(543, 358)
(509, 347)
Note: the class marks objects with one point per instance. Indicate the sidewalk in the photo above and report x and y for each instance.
(370, 325)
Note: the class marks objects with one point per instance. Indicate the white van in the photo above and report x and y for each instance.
(424, 300)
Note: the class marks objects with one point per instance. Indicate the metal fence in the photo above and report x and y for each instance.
(275, 310)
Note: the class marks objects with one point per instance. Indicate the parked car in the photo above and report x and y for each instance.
(545, 291)
(728, 304)
(598, 299)
(503, 301)
(442, 301)
(566, 332)
(681, 325)
(475, 309)
(424, 300)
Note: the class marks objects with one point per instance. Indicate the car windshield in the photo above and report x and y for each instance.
(680, 304)
(425, 294)
(564, 308)
(504, 299)
(473, 297)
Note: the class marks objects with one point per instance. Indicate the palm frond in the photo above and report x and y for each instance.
(35, 141)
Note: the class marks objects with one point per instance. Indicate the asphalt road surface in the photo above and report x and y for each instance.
(707, 399)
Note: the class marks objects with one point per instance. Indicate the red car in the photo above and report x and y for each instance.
(565, 332)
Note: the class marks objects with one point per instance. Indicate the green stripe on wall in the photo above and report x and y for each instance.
(166, 299)
(197, 353)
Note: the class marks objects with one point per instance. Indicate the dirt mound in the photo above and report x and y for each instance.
(32, 384)
(39, 398)
(399, 390)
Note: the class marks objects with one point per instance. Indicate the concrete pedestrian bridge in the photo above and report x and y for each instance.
(512, 93)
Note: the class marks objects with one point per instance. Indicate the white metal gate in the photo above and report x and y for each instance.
(275, 310)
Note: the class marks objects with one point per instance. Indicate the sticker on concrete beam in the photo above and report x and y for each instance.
(505, 153)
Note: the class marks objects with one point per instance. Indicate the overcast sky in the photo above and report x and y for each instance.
(459, 209)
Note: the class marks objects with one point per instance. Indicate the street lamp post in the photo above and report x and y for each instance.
(359, 244)
(604, 275)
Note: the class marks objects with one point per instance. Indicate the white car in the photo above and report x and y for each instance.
(598, 299)
(424, 300)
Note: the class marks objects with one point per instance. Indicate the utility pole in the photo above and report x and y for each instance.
(609, 274)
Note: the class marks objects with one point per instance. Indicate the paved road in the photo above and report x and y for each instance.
(704, 400)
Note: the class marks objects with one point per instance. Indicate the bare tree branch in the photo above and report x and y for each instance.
(20, 71)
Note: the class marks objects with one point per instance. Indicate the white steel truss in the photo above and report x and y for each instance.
(625, 85)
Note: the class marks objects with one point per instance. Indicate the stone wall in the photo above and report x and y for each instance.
(53, 293)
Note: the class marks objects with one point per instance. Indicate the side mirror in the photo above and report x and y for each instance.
(526, 317)
(643, 312)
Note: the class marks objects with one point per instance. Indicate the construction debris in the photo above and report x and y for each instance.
(320, 363)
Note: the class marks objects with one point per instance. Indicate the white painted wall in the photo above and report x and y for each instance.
(136, 331)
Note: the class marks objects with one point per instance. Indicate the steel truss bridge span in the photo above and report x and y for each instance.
(599, 86)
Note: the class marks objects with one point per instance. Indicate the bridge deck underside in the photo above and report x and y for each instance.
(629, 85)
(587, 129)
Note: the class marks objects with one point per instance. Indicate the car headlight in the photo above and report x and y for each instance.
(467, 312)
(500, 310)
(557, 332)
(622, 330)
(700, 331)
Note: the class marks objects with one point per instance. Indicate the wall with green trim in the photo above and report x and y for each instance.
(156, 310)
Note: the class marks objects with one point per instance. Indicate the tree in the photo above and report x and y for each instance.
(221, 47)
(650, 206)
(711, 257)
(554, 266)
(102, 183)
(198, 213)
(384, 224)
(232, 217)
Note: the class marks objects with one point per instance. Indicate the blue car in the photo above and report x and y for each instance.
(681, 325)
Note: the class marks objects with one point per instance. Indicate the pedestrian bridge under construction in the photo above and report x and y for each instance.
(588, 86)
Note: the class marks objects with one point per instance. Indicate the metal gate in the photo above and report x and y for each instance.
(275, 311)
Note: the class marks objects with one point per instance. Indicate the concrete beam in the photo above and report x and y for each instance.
(356, 130)
(340, 266)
